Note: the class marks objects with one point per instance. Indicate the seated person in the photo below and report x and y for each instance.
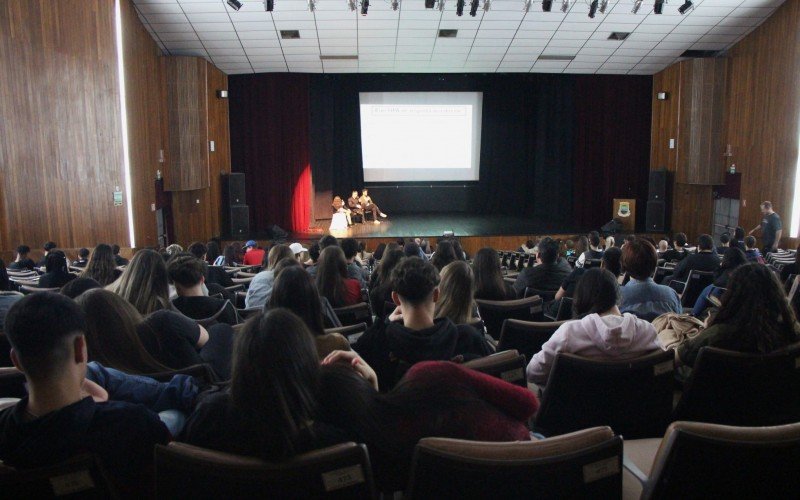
(411, 334)
(338, 206)
(58, 420)
(368, 206)
(354, 205)
(215, 275)
(663, 246)
(101, 267)
(549, 272)
(724, 243)
(601, 331)
(489, 282)
(354, 269)
(594, 252)
(677, 253)
(610, 262)
(755, 317)
(380, 285)
(56, 271)
(751, 250)
(186, 272)
(704, 260)
(253, 256)
(732, 259)
(83, 258)
(269, 410)
(119, 259)
(333, 281)
(641, 295)
(456, 301)
(47, 247)
(22, 262)
(261, 286)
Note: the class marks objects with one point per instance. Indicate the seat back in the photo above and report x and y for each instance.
(202, 373)
(212, 320)
(733, 388)
(355, 314)
(564, 309)
(26, 289)
(494, 312)
(81, 477)
(527, 337)
(590, 263)
(12, 383)
(185, 471)
(586, 464)
(698, 460)
(633, 396)
(546, 295)
(352, 332)
(507, 365)
(695, 284)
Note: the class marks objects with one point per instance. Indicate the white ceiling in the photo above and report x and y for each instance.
(504, 39)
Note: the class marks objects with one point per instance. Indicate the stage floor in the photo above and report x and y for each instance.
(426, 225)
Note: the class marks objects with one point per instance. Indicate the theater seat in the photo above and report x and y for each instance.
(698, 460)
(351, 332)
(507, 365)
(80, 477)
(355, 314)
(494, 312)
(527, 337)
(584, 464)
(186, 471)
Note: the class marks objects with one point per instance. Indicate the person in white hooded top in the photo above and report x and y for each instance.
(601, 332)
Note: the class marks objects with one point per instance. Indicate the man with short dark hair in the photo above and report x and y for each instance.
(595, 251)
(83, 258)
(704, 260)
(548, 273)
(58, 420)
(22, 261)
(188, 275)
(119, 259)
(354, 271)
(724, 243)
(771, 228)
(677, 253)
(47, 247)
(324, 242)
(751, 251)
(411, 334)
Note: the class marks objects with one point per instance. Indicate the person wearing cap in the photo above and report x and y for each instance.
(253, 256)
(298, 250)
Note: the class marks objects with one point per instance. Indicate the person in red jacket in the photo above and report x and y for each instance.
(434, 398)
(253, 256)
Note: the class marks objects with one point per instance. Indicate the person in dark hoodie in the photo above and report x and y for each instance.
(59, 418)
(410, 334)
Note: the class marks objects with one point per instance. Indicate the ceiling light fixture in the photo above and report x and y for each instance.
(395, 4)
(364, 7)
(351, 4)
(686, 7)
(312, 5)
(473, 7)
(658, 7)
(603, 6)
(564, 5)
(592, 9)
(235, 4)
(487, 4)
(637, 4)
(440, 5)
(459, 8)
(269, 5)
(547, 5)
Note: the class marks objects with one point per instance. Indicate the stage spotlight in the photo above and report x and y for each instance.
(658, 7)
(312, 5)
(592, 9)
(351, 4)
(269, 5)
(564, 5)
(473, 7)
(459, 7)
(440, 5)
(637, 4)
(395, 4)
(547, 5)
(687, 6)
(235, 4)
(603, 6)
(487, 5)
(364, 7)
(429, 4)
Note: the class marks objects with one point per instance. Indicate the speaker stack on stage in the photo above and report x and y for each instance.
(236, 223)
(657, 202)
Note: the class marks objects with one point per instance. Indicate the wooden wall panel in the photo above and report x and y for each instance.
(146, 103)
(763, 114)
(188, 123)
(60, 127)
(665, 117)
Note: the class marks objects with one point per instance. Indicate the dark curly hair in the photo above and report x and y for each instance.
(414, 280)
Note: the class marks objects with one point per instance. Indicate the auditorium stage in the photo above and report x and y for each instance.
(432, 225)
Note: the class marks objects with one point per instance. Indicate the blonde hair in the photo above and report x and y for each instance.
(277, 254)
(144, 283)
(456, 293)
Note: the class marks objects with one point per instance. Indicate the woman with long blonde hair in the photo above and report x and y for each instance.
(456, 293)
(144, 283)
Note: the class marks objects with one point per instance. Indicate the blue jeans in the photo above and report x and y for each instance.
(174, 420)
(177, 394)
(701, 304)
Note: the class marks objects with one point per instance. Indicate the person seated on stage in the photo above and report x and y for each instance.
(411, 334)
(83, 258)
(750, 250)
(369, 206)
(338, 207)
(355, 206)
(253, 256)
(595, 250)
(59, 418)
(22, 262)
(354, 270)
(548, 273)
(677, 253)
(215, 275)
(333, 281)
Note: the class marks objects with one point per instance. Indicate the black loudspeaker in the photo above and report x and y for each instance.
(233, 189)
(658, 185)
(239, 218)
(278, 234)
(656, 211)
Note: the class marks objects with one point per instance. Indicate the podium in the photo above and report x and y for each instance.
(625, 212)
